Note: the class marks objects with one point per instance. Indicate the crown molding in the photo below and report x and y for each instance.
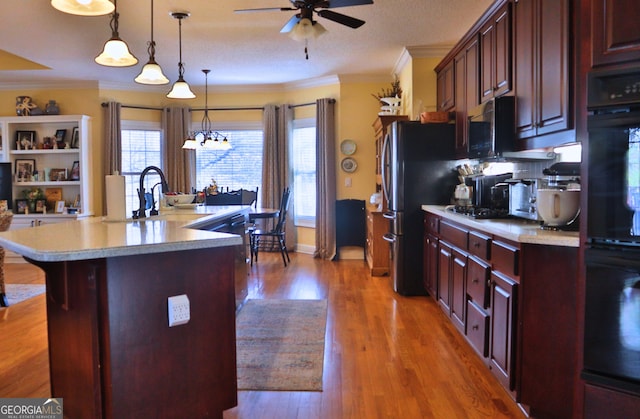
(53, 85)
(366, 78)
(429, 51)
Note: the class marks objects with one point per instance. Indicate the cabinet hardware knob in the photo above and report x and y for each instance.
(475, 280)
(475, 327)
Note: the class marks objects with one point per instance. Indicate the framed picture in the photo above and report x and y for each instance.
(25, 140)
(60, 134)
(59, 207)
(75, 138)
(52, 195)
(75, 171)
(57, 175)
(21, 206)
(41, 206)
(24, 169)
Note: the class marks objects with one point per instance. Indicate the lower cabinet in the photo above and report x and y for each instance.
(377, 249)
(513, 302)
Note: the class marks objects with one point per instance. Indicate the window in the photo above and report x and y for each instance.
(303, 164)
(141, 147)
(237, 168)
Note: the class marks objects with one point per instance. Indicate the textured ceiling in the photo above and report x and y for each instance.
(239, 48)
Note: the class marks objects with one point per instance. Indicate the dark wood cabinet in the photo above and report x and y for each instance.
(430, 262)
(445, 255)
(601, 403)
(542, 71)
(445, 88)
(502, 339)
(615, 33)
(458, 288)
(466, 92)
(495, 55)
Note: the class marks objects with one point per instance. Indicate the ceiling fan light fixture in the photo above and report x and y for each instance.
(306, 29)
(84, 7)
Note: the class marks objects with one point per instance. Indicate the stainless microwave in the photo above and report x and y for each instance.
(491, 128)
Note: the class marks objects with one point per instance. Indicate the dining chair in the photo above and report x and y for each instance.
(249, 197)
(276, 235)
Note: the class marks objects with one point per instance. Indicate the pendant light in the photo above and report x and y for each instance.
(151, 72)
(84, 7)
(116, 52)
(210, 138)
(180, 89)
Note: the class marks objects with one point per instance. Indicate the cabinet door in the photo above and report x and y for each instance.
(615, 36)
(542, 67)
(503, 322)
(444, 269)
(495, 55)
(445, 80)
(466, 92)
(458, 292)
(430, 261)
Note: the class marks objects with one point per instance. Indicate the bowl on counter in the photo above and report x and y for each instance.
(179, 199)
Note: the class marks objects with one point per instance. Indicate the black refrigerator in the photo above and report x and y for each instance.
(418, 167)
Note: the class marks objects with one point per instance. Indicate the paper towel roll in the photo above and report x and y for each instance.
(116, 198)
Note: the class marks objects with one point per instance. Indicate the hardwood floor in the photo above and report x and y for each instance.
(386, 356)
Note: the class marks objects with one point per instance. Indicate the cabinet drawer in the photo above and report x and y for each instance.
(478, 328)
(480, 245)
(478, 277)
(431, 224)
(505, 257)
(455, 235)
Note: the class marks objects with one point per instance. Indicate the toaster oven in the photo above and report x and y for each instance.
(522, 199)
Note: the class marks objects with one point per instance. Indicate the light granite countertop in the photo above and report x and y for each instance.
(96, 237)
(516, 229)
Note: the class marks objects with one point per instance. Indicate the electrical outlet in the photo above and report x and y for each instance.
(179, 310)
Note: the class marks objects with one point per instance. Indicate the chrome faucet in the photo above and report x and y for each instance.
(141, 192)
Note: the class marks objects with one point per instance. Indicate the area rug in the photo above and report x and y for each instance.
(17, 293)
(280, 345)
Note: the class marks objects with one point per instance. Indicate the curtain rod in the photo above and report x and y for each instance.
(155, 108)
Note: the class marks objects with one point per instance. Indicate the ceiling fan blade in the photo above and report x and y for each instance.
(290, 24)
(349, 21)
(264, 9)
(344, 3)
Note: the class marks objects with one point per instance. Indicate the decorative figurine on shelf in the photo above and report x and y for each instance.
(390, 99)
(25, 107)
(52, 108)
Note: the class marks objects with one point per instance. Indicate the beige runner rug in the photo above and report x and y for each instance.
(280, 345)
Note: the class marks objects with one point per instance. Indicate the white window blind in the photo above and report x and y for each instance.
(303, 159)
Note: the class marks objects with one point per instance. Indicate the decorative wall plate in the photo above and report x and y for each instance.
(349, 165)
(348, 147)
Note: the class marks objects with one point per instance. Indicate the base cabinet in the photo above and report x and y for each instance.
(377, 249)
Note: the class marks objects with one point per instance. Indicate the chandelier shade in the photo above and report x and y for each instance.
(84, 7)
(180, 89)
(115, 52)
(152, 72)
(306, 29)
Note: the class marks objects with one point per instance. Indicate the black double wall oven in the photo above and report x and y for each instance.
(612, 255)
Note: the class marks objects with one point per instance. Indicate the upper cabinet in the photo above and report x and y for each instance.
(541, 69)
(466, 92)
(495, 57)
(446, 93)
(615, 36)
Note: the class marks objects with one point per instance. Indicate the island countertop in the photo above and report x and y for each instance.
(518, 230)
(95, 237)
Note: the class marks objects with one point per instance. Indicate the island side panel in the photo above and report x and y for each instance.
(112, 353)
(154, 370)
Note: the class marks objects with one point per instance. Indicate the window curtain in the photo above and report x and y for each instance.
(277, 125)
(179, 164)
(112, 157)
(325, 179)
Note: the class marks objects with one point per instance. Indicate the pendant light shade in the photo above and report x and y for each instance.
(180, 89)
(306, 29)
(152, 72)
(84, 7)
(116, 52)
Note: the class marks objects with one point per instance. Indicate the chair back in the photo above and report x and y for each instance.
(284, 207)
(249, 197)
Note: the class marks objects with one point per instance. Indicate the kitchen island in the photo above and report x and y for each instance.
(112, 353)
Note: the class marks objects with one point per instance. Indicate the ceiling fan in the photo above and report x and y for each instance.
(306, 8)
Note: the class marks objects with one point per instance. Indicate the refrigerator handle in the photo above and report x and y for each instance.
(389, 215)
(389, 237)
(384, 168)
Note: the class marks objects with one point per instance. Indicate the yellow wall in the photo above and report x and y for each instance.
(356, 111)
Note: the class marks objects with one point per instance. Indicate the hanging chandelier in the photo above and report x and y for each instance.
(180, 89)
(152, 72)
(206, 137)
(116, 52)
